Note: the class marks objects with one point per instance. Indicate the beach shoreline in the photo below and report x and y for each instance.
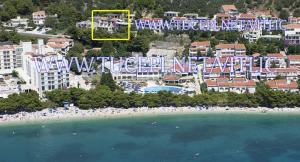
(74, 113)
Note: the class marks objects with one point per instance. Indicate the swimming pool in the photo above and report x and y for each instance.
(155, 89)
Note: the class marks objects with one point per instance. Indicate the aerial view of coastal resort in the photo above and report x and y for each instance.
(150, 80)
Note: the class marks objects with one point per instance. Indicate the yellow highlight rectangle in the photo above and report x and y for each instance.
(111, 39)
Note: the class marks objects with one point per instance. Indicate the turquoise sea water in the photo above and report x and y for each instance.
(184, 138)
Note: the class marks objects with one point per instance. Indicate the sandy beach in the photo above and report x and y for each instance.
(60, 114)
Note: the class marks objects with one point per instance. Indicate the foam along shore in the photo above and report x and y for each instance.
(76, 113)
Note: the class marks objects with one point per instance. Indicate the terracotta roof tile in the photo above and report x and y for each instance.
(39, 13)
(222, 15)
(232, 46)
(276, 55)
(225, 82)
(246, 16)
(228, 7)
(171, 78)
(292, 26)
(282, 84)
(201, 43)
(294, 57)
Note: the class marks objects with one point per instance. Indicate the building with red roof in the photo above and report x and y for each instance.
(290, 73)
(199, 46)
(171, 78)
(237, 85)
(294, 60)
(229, 9)
(278, 59)
(230, 49)
(215, 72)
(60, 45)
(283, 85)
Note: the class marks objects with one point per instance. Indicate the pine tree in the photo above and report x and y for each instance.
(107, 80)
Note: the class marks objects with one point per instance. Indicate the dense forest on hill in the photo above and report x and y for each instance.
(156, 7)
(70, 11)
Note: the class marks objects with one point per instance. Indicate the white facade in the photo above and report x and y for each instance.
(252, 36)
(272, 37)
(230, 50)
(294, 20)
(239, 90)
(287, 73)
(191, 15)
(39, 17)
(121, 74)
(109, 24)
(226, 85)
(294, 60)
(42, 80)
(6, 90)
(292, 34)
(147, 75)
(18, 22)
(171, 14)
(202, 47)
(10, 58)
(84, 24)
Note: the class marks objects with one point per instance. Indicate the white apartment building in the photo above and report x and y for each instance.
(202, 47)
(39, 17)
(223, 50)
(142, 74)
(292, 34)
(84, 24)
(42, 80)
(279, 59)
(294, 20)
(252, 35)
(10, 58)
(18, 22)
(171, 14)
(290, 73)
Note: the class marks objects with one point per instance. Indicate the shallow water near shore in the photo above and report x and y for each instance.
(164, 138)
